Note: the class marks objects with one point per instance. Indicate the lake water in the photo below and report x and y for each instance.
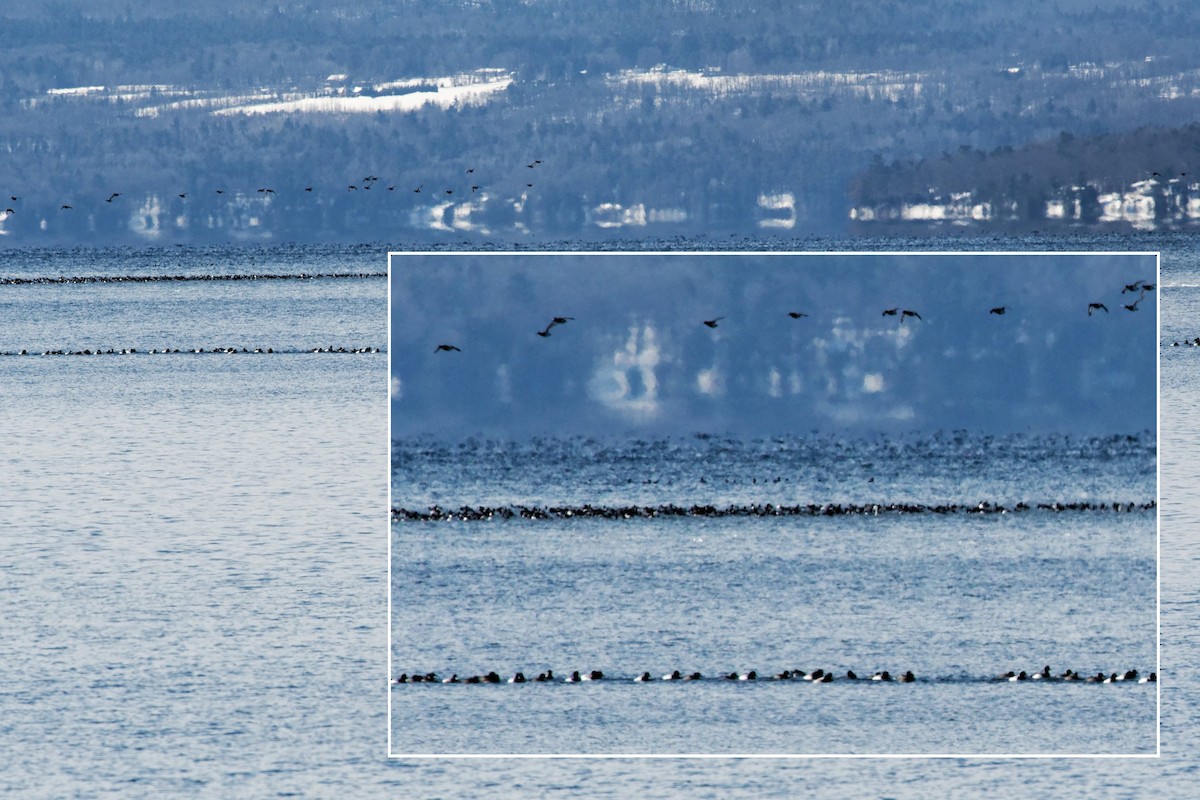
(774, 582)
(195, 575)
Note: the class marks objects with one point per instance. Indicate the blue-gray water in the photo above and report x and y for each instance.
(959, 596)
(195, 569)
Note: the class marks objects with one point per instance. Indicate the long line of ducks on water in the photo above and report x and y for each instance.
(1141, 287)
(816, 676)
(125, 351)
(268, 276)
(482, 513)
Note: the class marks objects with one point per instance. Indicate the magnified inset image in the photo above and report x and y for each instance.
(773, 504)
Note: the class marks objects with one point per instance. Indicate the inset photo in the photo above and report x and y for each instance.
(773, 504)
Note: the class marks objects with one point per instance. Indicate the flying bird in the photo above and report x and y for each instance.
(183, 195)
(998, 310)
(1132, 287)
(112, 196)
(797, 314)
(418, 189)
(556, 321)
(1095, 307)
(889, 312)
(1133, 306)
(907, 313)
(308, 188)
(712, 323)
(446, 348)
(65, 206)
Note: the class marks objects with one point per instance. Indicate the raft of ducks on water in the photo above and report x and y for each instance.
(816, 676)
(477, 513)
(169, 350)
(211, 277)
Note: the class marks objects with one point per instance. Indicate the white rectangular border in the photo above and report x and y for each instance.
(931, 253)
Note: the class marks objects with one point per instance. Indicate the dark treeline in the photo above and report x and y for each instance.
(896, 81)
(63, 43)
(1160, 162)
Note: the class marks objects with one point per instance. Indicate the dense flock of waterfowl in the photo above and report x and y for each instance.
(268, 276)
(127, 351)
(1043, 675)
(481, 513)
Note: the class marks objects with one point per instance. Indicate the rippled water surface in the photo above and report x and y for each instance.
(959, 596)
(192, 569)
(194, 577)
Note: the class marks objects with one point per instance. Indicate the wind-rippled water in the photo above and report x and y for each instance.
(194, 572)
(958, 596)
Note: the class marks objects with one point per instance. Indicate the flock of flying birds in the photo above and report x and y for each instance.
(365, 184)
(816, 676)
(1141, 287)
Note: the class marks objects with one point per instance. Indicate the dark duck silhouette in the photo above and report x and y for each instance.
(556, 321)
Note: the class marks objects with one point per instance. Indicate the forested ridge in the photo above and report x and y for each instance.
(647, 117)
